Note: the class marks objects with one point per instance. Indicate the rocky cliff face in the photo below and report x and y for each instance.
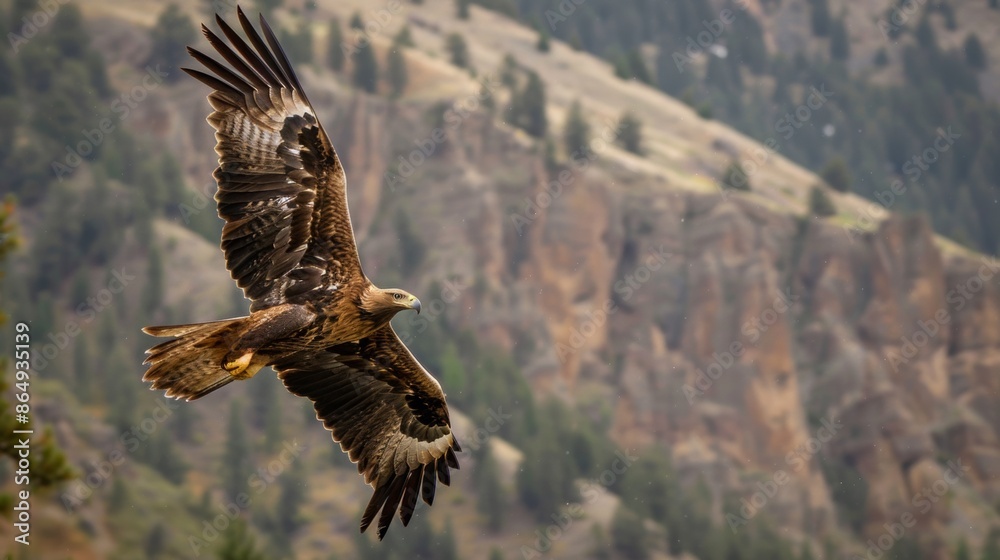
(759, 345)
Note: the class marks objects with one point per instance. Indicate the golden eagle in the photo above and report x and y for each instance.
(314, 317)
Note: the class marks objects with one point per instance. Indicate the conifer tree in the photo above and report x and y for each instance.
(458, 50)
(335, 46)
(365, 68)
(396, 68)
(236, 467)
(630, 133)
(576, 133)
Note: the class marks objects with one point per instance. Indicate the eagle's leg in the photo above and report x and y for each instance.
(244, 367)
(263, 328)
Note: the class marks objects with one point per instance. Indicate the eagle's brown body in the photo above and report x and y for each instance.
(314, 315)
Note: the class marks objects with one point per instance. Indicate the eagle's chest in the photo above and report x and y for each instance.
(347, 325)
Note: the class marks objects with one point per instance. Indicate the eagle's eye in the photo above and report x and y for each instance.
(397, 296)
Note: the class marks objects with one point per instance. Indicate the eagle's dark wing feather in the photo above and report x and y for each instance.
(386, 412)
(282, 189)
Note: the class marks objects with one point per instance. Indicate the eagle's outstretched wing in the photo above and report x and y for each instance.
(282, 189)
(386, 412)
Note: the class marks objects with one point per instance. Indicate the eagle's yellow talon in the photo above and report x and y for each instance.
(240, 367)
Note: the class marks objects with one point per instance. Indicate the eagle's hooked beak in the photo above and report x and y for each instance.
(415, 304)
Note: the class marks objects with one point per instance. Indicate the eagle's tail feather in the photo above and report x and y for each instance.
(190, 366)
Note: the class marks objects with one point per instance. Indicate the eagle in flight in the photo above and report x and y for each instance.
(314, 315)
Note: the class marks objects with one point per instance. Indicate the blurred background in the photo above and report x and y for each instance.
(702, 279)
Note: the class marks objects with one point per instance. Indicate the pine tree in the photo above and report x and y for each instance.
(962, 552)
(628, 534)
(183, 425)
(836, 174)
(152, 290)
(543, 45)
(156, 541)
(239, 544)
(335, 46)
(532, 107)
(840, 42)
(396, 68)
(576, 131)
(462, 9)
(820, 204)
(630, 133)
(820, 18)
(411, 247)
(404, 38)
(236, 467)
(268, 6)
(292, 495)
(298, 44)
(173, 32)
(458, 50)
(452, 371)
(734, 177)
(975, 56)
(492, 498)
(366, 68)
(447, 549)
(637, 67)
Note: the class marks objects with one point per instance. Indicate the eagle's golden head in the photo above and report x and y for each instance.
(384, 304)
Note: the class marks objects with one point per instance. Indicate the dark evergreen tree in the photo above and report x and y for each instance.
(630, 133)
(840, 42)
(458, 51)
(576, 131)
(629, 535)
(396, 68)
(238, 543)
(544, 44)
(462, 9)
(171, 35)
(820, 18)
(532, 107)
(365, 68)
(335, 46)
(492, 497)
(975, 55)
(836, 174)
(236, 465)
(735, 177)
(820, 204)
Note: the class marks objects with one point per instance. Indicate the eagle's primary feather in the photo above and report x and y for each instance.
(315, 317)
